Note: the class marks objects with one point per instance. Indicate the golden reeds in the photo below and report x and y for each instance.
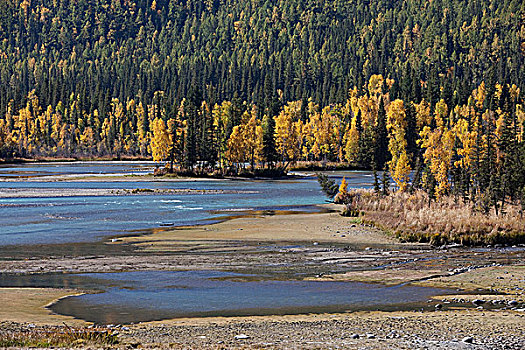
(414, 218)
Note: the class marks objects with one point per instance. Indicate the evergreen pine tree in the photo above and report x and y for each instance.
(270, 155)
(381, 153)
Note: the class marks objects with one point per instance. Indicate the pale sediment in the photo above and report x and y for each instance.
(317, 227)
(29, 305)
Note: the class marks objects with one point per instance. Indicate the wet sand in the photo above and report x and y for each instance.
(29, 305)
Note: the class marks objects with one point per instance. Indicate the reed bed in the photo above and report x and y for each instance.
(414, 218)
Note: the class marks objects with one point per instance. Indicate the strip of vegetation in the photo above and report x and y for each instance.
(413, 217)
(417, 217)
(57, 337)
(142, 190)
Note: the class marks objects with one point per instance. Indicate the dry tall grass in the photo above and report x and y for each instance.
(62, 337)
(413, 218)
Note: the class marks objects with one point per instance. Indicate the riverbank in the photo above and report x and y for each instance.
(455, 329)
(458, 329)
(96, 192)
(30, 305)
(257, 227)
(415, 217)
(318, 246)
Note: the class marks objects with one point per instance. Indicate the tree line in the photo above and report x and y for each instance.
(472, 149)
(232, 86)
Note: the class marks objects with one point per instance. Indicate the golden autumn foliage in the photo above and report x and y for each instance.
(245, 142)
(288, 132)
(375, 84)
(439, 147)
(131, 128)
(343, 188)
(352, 142)
(447, 144)
(399, 165)
(423, 116)
(160, 141)
(467, 142)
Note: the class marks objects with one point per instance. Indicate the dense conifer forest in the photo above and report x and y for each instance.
(431, 88)
(94, 51)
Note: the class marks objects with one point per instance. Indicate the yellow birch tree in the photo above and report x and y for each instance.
(160, 140)
(399, 165)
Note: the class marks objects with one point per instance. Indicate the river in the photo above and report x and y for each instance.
(90, 201)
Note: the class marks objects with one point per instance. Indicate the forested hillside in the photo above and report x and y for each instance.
(93, 51)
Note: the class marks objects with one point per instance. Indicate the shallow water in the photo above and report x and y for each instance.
(154, 295)
(58, 222)
(77, 218)
(89, 218)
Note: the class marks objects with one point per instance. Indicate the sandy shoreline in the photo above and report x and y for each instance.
(29, 305)
(325, 246)
(260, 227)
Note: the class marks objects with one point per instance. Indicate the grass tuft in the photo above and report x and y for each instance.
(45, 337)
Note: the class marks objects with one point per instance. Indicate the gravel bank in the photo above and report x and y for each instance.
(93, 192)
(312, 246)
(458, 329)
(376, 330)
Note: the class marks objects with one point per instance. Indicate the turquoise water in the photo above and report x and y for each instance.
(154, 295)
(50, 220)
